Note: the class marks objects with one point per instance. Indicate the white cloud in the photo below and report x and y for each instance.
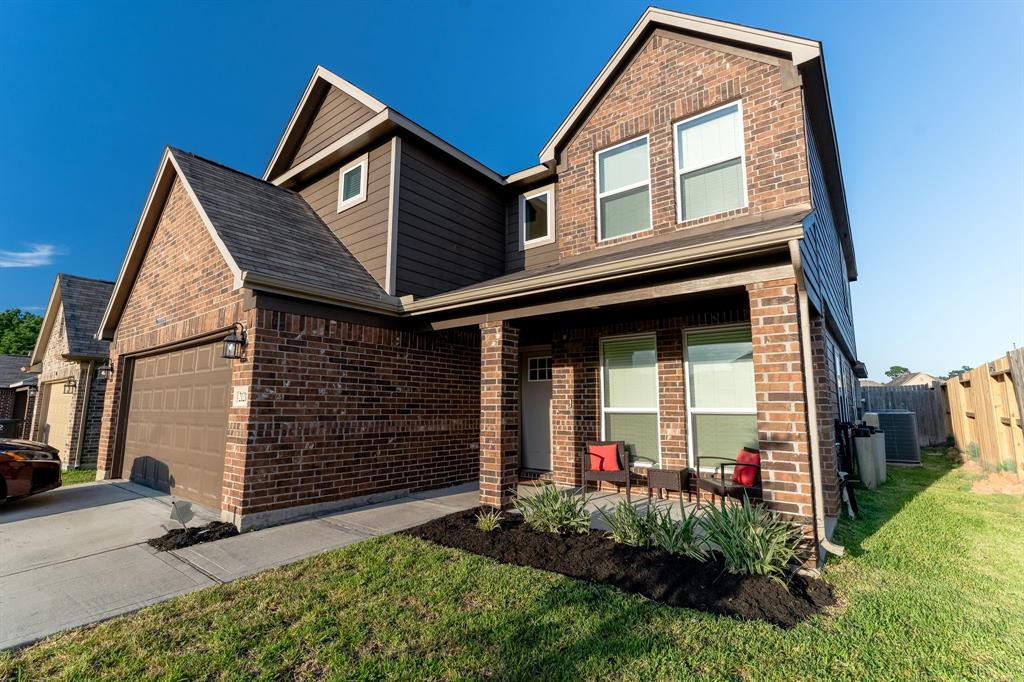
(37, 254)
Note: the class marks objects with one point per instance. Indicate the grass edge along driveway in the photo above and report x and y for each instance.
(931, 586)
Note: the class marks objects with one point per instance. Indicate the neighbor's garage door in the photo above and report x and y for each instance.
(177, 419)
(57, 416)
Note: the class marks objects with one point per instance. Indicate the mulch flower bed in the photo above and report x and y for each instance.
(179, 538)
(664, 578)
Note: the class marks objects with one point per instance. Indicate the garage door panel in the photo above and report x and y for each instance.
(56, 420)
(177, 423)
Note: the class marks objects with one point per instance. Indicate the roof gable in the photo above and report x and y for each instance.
(799, 50)
(321, 85)
(268, 236)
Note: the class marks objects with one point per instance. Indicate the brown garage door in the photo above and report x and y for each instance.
(177, 420)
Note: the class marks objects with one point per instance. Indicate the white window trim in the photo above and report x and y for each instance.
(690, 410)
(550, 236)
(656, 410)
(359, 198)
(528, 368)
(601, 195)
(680, 172)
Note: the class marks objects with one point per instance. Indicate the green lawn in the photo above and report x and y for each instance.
(76, 476)
(932, 584)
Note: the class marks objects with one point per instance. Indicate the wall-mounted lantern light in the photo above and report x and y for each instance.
(105, 371)
(234, 342)
(70, 386)
(32, 391)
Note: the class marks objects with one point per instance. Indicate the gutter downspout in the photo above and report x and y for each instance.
(85, 413)
(812, 403)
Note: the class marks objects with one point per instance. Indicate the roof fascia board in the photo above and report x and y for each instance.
(49, 317)
(691, 285)
(221, 247)
(270, 284)
(327, 76)
(801, 49)
(628, 266)
(158, 192)
(381, 123)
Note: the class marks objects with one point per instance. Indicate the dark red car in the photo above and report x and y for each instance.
(27, 468)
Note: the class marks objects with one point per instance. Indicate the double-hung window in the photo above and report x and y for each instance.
(629, 394)
(623, 189)
(536, 217)
(710, 175)
(352, 184)
(720, 393)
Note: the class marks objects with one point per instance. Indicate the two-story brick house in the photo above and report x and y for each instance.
(674, 273)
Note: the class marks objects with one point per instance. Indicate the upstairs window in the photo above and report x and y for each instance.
(352, 184)
(623, 189)
(710, 173)
(536, 217)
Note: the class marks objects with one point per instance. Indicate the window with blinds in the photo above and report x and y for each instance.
(722, 411)
(352, 184)
(629, 394)
(710, 175)
(623, 189)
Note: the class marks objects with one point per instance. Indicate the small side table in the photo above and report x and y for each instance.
(675, 480)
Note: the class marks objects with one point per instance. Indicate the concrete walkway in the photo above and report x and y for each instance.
(78, 555)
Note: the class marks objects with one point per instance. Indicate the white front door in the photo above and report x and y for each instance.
(535, 407)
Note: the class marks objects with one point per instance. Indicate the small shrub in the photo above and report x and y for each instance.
(950, 442)
(628, 526)
(974, 451)
(753, 540)
(679, 537)
(489, 520)
(549, 511)
(1009, 465)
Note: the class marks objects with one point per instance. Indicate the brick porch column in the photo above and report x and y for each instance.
(779, 390)
(499, 412)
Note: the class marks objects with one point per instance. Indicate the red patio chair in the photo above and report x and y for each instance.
(606, 461)
(743, 481)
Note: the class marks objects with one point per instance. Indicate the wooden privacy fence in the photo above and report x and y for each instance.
(985, 406)
(928, 405)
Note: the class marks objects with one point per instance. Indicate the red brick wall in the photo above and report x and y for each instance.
(499, 412)
(826, 394)
(184, 291)
(342, 410)
(576, 386)
(669, 79)
(781, 406)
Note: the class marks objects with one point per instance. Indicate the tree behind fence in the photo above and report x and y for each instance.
(928, 405)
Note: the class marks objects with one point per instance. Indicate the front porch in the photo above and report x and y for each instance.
(679, 379)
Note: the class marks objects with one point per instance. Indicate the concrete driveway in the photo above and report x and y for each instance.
(77, 555)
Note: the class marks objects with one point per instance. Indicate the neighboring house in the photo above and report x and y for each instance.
(24, 403)
(673, 273)
(66, 359)
(915, 379)
(12, 402)
(868, 383)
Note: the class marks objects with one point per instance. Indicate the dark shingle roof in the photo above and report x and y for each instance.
(10, 369)
(84, 302)
(272, 231)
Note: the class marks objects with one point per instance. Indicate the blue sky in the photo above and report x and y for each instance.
(928, 98)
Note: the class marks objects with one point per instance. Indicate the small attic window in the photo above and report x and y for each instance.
(352, 184)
